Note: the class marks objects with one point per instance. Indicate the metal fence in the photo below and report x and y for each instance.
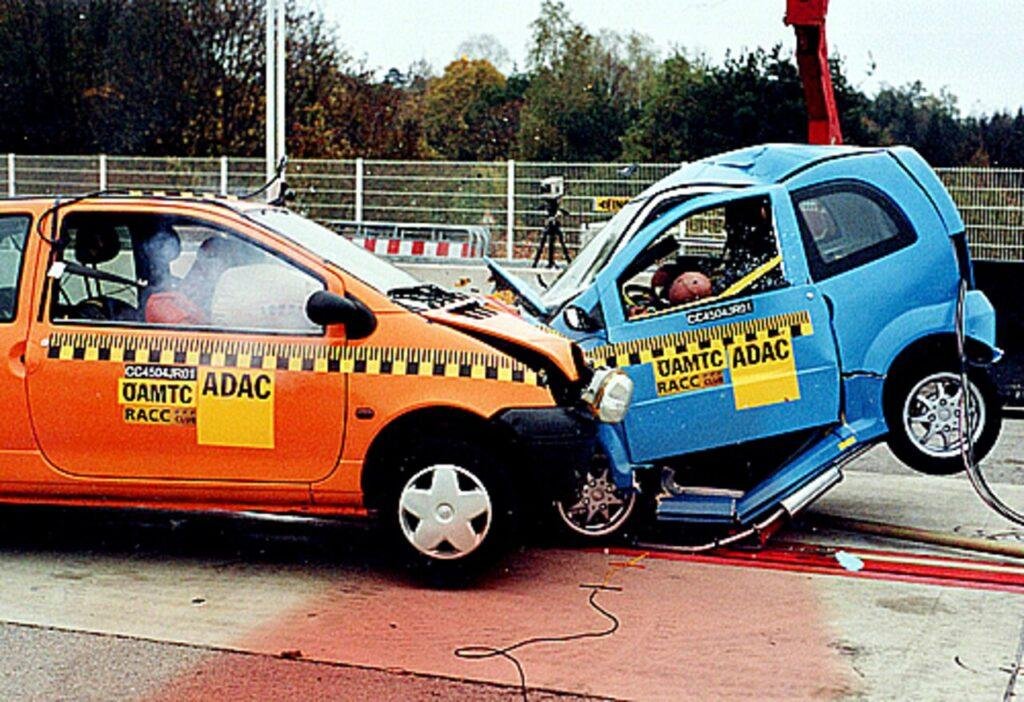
(502, 196)
(991, 202)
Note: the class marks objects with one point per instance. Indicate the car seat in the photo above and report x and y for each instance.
(188, 302)
(96, 244)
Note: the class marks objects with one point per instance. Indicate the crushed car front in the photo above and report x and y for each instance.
(557, 424)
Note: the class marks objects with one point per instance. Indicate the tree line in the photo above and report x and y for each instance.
(185, 78)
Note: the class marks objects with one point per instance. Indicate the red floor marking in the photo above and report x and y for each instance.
(686, 634)
(878, 565)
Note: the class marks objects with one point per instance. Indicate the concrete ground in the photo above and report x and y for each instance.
(104, 605)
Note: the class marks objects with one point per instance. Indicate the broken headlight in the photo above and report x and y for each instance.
(608, 394)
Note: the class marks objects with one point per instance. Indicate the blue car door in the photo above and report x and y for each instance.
(752, 357)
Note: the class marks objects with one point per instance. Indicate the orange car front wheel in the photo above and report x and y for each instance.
(451, 509)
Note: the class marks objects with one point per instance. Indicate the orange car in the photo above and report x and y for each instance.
(201, 353)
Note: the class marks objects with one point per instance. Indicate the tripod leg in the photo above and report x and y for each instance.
(551, 231)
(565, 249)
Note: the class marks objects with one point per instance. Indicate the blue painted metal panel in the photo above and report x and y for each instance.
(794, 475)
(925, 176)
(664, 421)
(697, 509)
(872, 301)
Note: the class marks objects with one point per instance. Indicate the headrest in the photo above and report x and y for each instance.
(96, 243)
(227, 252)
(162, 247)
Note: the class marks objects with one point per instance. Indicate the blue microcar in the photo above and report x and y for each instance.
(780, 309)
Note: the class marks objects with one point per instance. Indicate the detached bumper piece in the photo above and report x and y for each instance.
(793, 486)
(554, 442)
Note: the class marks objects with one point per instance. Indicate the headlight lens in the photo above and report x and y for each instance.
(609, 394)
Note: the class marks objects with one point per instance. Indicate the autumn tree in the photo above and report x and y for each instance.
(183, 77)
(468, 112)
(89, 76)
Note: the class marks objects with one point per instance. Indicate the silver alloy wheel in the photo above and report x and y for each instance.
(444, 511)
(932, 414)
(600, 507)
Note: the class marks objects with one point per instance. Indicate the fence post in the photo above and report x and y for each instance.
(359, 191)
(10, 175)
(103, 171)
(223, 175)
(510, 210)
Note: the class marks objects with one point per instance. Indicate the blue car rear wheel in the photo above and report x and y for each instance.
(927, 426)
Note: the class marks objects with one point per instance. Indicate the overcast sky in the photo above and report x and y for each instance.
(975, 48)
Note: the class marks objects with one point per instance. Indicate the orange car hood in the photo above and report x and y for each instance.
(493, 321)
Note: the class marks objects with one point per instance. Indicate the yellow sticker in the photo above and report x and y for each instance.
(235, 408)
(692, 369)
(174, 416)
(156, 393)
(763, 370)
(610, 203)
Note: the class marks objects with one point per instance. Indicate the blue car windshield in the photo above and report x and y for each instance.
(592, 258)
(335, 248)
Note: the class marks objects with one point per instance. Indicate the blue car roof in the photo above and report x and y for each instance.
(754, 165)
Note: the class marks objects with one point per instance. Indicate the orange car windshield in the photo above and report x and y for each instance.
(335, 248)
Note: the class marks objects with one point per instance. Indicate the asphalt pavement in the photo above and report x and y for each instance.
(130, 605)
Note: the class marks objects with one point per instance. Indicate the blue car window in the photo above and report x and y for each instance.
(845, 225)
(721, 252)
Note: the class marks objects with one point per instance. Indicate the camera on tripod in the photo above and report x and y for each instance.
(552, 190)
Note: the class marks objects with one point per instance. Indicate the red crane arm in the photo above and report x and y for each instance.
(807, 17)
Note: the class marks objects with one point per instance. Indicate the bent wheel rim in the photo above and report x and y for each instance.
(932, 414)
(444, 512)
(598, 507)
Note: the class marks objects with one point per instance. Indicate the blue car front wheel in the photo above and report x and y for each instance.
(597, 508)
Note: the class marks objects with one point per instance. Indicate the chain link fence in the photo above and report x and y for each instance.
(503, 196)
(991, 202)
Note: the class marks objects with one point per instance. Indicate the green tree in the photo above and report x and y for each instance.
(1003, 139)
(696, 109)
(584, 90)
(930, 123)
(670, 125)
(468, 114)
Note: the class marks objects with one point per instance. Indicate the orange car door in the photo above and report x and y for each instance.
(205, 369)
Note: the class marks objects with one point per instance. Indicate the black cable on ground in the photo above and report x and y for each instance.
(477, 652)
(483, 652)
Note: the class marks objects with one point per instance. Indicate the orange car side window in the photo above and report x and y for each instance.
(179, 272)
(13, 231)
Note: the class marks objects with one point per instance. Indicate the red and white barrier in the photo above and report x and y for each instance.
(415, 247)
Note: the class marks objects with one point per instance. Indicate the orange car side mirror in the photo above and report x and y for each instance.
(325, 308)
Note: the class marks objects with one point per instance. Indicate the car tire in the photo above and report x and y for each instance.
(451, 511)
(921, 410)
